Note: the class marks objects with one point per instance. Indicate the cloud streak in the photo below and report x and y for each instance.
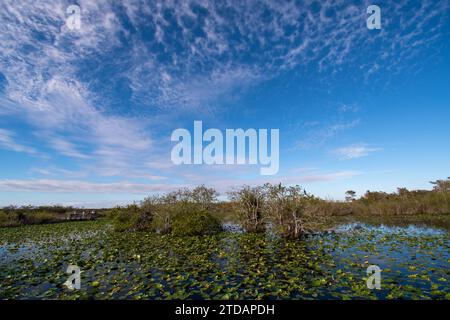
(223, 185)
(321, 133)
(7, 141)
(103, 96)
(355, 151)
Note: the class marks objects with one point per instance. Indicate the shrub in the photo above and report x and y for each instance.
(249, 203)
(171, 204)
(166, 207)
(292, 211)
(203, 196)
(405, 202)
(6, 220)
(19, 217)
(183, 211)
(442, 185)
(193, 220)
(131, 218)
(40, 217)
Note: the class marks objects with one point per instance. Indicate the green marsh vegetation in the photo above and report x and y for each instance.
(224, 265)
(13, 216)
(17, 216)
(183, 212)
(287, 244)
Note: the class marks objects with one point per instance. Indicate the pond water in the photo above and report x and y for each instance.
(414, 261)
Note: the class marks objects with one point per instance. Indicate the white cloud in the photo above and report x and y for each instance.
(200, 50)
(348, 108)
(49, 185)
(7, 141)
(223, 185)
(43, 83)
(66, 148)
(319, 134)
(55, 78)
(355, 151)
(303, 179)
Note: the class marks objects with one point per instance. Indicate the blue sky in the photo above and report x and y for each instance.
(86, 115)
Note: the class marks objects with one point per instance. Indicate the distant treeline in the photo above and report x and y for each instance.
(13, 216)
(402, 202)
(289, 210)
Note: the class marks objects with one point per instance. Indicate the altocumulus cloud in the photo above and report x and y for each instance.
(175, 56)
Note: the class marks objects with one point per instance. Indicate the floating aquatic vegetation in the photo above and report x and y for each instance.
(228, 265)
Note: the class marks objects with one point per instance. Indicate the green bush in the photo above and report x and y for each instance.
(131, 218)
(193, 220)
(6, 220)
(292, 211)
(40, 217)
(249, 204)
(19, 218)
(181, 201)
(182, 212)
